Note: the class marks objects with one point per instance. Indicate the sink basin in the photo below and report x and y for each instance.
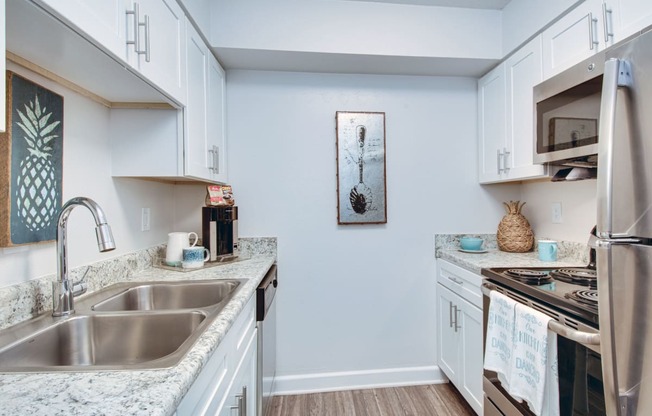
(161, 296)
(126, 326)
(101, 341)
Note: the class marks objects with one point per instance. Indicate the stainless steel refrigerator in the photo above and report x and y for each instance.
(624, 227)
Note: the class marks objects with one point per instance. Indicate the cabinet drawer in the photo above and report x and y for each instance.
(460, 281)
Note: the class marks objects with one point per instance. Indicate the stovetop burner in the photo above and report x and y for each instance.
(588, 297)
(584, 277)
(529, 277)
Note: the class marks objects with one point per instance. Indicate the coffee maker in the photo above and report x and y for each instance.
(220, 232)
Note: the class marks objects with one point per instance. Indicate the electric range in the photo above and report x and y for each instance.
(571, 290)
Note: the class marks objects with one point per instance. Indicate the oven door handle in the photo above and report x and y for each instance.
(585, 338)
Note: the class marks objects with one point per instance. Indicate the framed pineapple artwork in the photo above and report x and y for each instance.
(31, 163)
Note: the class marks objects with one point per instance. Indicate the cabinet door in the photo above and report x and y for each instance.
(241, 398)
(470, 335)
(197, 160)
(216, 119)
(524, 70)
(625, 17)
(491, 113)
(162, 40)
(102, 21)
(447, 336)
(572, 38)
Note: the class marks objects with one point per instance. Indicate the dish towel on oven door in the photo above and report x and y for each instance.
(500, 333)
(533, 374)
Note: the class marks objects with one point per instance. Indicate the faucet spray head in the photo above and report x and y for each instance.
(104, 236)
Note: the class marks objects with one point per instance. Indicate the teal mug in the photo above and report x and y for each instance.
(547, 250)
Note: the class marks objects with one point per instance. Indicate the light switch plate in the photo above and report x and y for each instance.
(556, 213)
(144, 219)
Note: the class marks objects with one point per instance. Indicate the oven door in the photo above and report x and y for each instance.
(579, 366)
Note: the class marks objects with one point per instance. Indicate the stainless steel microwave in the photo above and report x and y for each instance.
(567, 112)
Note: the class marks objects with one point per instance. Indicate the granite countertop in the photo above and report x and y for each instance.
(447, 248)
(142, 392)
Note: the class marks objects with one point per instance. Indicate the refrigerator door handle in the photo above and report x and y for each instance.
(616, 74)
(607, 329)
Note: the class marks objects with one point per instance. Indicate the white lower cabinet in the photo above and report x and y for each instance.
(241, 397)
(227, 384)
(459, 306)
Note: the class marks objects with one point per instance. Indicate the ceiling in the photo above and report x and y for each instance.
(471, 4)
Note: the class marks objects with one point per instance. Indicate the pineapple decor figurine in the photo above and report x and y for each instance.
(514, 231)
(35, 150)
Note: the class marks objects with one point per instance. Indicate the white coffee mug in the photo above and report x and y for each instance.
(194, 257)
(176, 243)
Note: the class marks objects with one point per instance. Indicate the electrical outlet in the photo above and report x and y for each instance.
(144, 219)
(556, 213)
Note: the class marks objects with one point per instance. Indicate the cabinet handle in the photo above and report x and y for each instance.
(216, 158)
(244, 400)
(214, 153)
(456, 280)
(499, 157)
(505, 155)
(607, 33)
(238, 405)
(592, 41)
(137, 26)
(147, 48)
(136, 13)
(241, 402)
(450, 314)
(457, 311)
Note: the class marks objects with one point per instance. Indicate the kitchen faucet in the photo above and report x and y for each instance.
(63, 290)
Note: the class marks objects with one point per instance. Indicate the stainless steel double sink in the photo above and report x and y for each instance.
(125, 326)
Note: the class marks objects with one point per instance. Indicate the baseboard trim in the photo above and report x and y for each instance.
(350, 380)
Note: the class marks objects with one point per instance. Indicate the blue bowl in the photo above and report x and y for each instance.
(471, 243)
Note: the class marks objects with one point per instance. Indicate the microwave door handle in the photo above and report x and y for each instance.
(616, 74)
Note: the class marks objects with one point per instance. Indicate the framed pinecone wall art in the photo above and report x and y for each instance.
(31, 163)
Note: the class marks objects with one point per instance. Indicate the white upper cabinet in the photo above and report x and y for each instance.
(491, 123)
(523, 70)
(626, 17)
(157, 30)
(217, 119)
(178, 145)
(573, 38)
(506, 117)
(204, 144)
(103, 21)
(92, 44)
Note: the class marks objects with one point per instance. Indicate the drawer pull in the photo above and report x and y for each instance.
(455, 280)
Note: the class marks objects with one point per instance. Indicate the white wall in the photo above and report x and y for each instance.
(355, 298)
(579, 208)
(87, 172)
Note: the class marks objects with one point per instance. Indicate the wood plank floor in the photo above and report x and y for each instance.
(428, 400)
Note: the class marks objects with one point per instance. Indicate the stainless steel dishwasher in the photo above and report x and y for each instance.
(266, 324)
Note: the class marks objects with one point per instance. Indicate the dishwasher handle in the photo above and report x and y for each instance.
(266, 292)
